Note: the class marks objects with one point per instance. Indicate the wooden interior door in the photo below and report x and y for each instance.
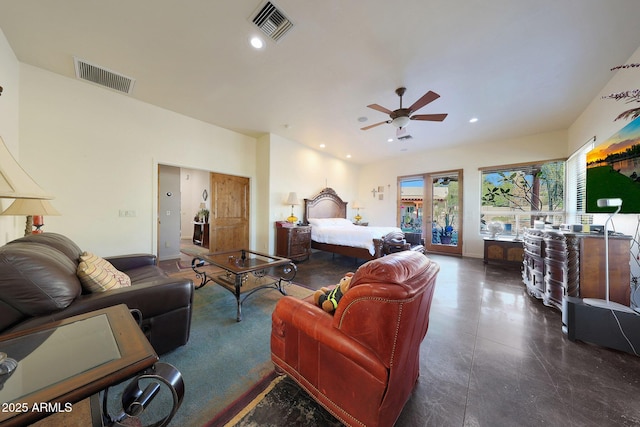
(229, 217)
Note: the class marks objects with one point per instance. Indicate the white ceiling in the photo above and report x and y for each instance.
(522, 67)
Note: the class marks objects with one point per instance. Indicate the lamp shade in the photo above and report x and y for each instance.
(292, 199)
(357, 204)
(400, 121)
(31, 207)
(14, 181)
(603, 203)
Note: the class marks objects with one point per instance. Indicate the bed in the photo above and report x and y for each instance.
(331, 231)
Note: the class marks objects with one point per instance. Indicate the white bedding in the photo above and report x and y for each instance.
(340, 231)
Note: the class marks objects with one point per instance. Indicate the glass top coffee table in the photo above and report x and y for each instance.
(245, 272)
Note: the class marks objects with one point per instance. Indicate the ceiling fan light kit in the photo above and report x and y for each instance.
(400, 121)
(401, 117)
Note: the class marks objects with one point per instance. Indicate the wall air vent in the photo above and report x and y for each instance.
(272, 21)
(103, 76)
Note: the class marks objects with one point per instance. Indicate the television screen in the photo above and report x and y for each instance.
(613, 171)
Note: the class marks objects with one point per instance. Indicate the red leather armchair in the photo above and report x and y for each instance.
(362, 362)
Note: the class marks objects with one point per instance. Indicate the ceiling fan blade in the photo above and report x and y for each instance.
(374, 125)
(380, 108)
(429, 117)
(426, 98)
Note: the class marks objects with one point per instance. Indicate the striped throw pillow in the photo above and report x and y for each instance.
(98, 275)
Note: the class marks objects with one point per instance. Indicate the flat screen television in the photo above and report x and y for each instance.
(613, 171)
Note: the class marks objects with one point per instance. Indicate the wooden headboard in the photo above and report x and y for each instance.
(325, 204)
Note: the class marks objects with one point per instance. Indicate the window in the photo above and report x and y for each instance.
(576, 185)
(411, 199)
(518, 195)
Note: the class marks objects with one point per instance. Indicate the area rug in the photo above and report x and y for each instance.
(292, 406)
(224, 358)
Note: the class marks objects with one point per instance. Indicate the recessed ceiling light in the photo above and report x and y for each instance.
(322, 145)
(257, 42)
(390, 140)
(473, 120)
(362, 119)
(348, 156)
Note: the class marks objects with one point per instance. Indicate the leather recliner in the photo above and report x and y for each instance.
(39, 284)
(362, 362)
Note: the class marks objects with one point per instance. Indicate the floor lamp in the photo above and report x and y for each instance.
(15, 183)
(606, 303)
(34, 210)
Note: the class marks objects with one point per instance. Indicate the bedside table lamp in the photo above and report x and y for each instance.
(292, 200)
(357, 206)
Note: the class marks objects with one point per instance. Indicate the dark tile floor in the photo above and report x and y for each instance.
(494, 356)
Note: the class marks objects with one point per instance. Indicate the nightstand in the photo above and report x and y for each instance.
(293, 242)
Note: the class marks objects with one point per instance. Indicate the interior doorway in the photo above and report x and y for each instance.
(229, 212)
(169, 209)
(191, 200)
(431, 204)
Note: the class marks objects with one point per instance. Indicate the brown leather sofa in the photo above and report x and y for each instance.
(39, 284)
(362, 362)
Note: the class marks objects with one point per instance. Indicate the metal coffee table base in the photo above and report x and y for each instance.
(243, 285)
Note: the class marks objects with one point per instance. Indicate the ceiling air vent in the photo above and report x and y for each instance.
(402, 134)
(103, 76)
(272, 21)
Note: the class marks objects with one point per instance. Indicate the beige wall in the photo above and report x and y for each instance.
(599, 120)
(192, 184)
(536, 147)
(97, 151)
(10, 227)
(295, 167)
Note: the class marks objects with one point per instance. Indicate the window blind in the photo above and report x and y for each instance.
(576, 171)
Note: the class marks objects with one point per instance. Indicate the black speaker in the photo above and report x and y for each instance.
(607, 327)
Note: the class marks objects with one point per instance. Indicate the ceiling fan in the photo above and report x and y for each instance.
(401, 117)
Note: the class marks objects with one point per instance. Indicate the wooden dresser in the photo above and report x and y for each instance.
(558, 264)
(533, 264)
(293, 242)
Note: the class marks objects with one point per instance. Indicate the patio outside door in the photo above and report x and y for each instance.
(431, 204)
(444, 200)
